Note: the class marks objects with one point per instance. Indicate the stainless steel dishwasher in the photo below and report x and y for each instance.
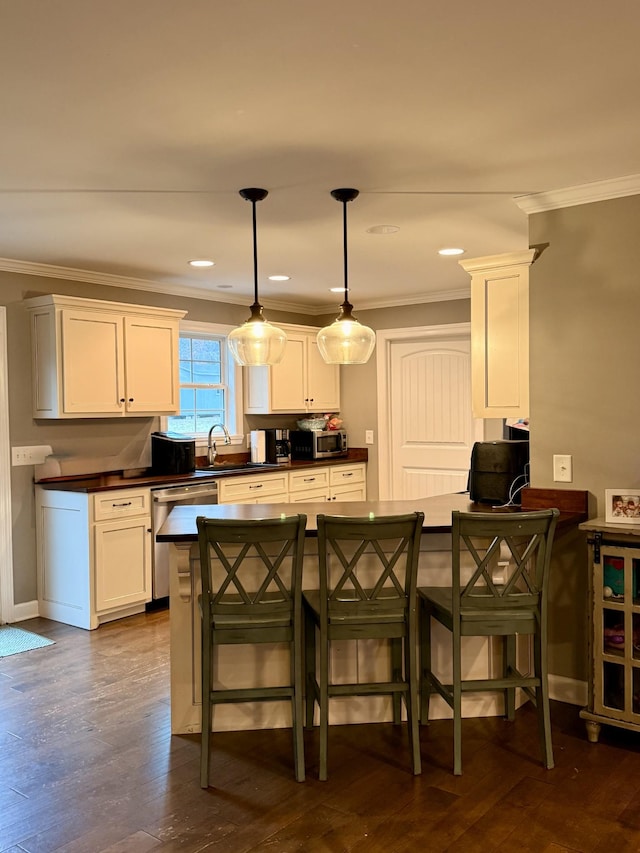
(163, 501)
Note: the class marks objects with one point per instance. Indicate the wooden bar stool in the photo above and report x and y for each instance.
(487, 606)
(251, 593)
(368, 575)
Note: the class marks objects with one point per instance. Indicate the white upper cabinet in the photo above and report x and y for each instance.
(500, 334)
(302, 382)
(103, 359)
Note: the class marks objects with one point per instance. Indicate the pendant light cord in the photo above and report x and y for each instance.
(254, 195)
(255, 254)
(344, 243)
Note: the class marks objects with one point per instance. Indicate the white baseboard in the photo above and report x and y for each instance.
(26, 610)
(568, 690)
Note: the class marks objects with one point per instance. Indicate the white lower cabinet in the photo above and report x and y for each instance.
(308, 485)
(93, 555)
(348, 483)
(254, 488)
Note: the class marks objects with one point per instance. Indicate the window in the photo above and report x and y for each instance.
(210, 383)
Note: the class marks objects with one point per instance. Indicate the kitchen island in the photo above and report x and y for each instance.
(366, 659)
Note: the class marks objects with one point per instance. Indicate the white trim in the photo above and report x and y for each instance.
(26, 610)
(568, 690)
(185, 290)
(385, 338)
(7, 610)
(235, 409)
(493, 262)
(583, 194)
(392, 302)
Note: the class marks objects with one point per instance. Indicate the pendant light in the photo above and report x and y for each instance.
(256, 342)
(346, 341)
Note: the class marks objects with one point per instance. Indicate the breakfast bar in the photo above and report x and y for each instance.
(239, 665)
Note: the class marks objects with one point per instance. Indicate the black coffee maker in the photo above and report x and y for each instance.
(283, 447)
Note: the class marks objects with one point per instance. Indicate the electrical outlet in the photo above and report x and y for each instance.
(562, 469)
(368, 436)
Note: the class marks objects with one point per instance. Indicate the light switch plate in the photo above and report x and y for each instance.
(562, 469)
(33, 455)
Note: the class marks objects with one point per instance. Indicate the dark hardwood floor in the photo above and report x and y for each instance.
(88, 766)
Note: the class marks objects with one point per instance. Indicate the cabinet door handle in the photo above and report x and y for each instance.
(149, 530)
(350, 474)
(122, 399)
(126, 503)
(131, 399)
(258, 486)
(309, 480)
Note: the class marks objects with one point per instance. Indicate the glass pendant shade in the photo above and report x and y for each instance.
(256, 342)
(346, 341)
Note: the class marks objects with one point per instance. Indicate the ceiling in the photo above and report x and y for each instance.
(128, 127)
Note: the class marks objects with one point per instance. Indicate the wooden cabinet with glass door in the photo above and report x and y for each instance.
(614, 660)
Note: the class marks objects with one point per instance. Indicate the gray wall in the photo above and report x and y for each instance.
(584, 310)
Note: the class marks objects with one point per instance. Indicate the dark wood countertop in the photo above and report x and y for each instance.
(122, 480)
(180, 525)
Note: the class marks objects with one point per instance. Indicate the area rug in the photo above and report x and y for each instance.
(14, 640)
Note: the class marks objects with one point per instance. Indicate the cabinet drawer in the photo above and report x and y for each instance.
(319, 496)
(347, 474)
(316, 478)
(121, 503)
(243, 488)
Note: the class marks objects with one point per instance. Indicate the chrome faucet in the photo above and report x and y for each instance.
(211, 445)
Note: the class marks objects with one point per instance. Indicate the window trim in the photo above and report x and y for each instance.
(233, 376)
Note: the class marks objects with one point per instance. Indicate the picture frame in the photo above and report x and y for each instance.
(622, 506)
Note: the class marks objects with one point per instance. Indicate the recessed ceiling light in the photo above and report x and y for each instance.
(202, 263)
(383, 229)
(279, 277)
(451, 251)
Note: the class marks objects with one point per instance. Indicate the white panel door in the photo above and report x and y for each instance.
(432, 427)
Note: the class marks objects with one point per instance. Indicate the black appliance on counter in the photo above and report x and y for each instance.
(172, 453)
(283, 446)
(263, 446)
(499, 470)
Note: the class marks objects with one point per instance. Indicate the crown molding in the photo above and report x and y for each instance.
(419, 299)
(188, 291)
(493, 262)
(584, 194)
(150, 286)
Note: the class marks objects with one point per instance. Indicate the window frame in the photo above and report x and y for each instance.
(233, 378)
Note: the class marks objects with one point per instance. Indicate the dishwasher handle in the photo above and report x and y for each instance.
(176, 496)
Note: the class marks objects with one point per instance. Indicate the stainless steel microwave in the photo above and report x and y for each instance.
(317, 444)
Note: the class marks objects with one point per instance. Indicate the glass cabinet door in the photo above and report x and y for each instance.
(616, 625)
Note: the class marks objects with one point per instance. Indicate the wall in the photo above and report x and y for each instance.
(584, 309)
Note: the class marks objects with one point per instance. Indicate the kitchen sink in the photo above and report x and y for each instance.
(237, 466)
